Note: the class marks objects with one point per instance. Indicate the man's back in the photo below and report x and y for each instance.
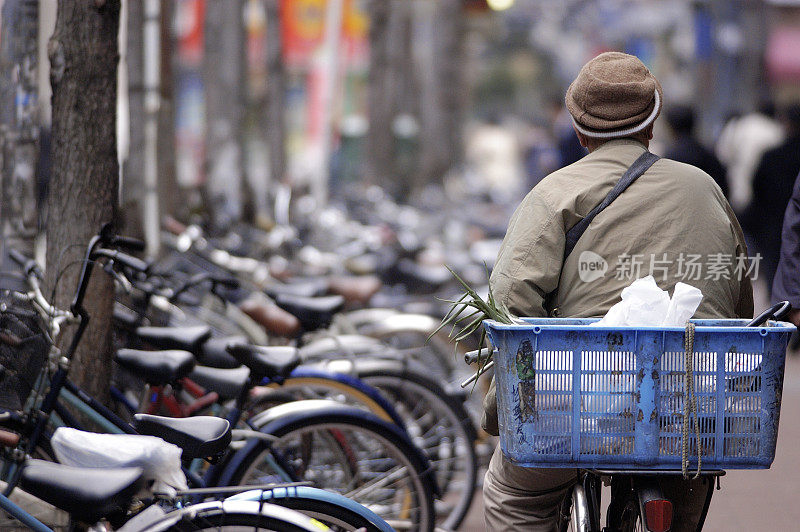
(673, 222)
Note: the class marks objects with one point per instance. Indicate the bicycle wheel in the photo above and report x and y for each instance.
(312, 383)
(630, 519)
(439, 425)
(349, 452)
(337, 512)
(235, 516)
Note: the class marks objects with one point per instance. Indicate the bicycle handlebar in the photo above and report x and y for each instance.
(29, 266)
(126, 260)
(127, 242)
(17, 257)
(196, 280)
(776, 312)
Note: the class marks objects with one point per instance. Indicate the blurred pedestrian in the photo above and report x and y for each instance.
(786, 286)
(685, 147)
(772, 188)
(541, 156)
(493, 152)
(742, 142)
(569, 148)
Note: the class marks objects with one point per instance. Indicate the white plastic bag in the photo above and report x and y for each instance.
(644, 304)
(682, 306)
(161, 461)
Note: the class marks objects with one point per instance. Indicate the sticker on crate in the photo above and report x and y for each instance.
(526, 371)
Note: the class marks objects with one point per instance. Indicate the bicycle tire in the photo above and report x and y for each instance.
(337, 512)
(235, 516)
(631, 516)
(439, 425)
(313, 383)
(297, 425)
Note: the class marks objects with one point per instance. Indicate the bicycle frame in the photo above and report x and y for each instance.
(61, 390)
(22, 516)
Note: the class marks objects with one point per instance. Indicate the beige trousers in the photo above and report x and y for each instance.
(520, 498)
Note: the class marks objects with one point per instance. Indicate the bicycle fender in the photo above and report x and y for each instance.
(316, 494)
(351, 381)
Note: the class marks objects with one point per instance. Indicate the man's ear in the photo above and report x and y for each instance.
(582, 138)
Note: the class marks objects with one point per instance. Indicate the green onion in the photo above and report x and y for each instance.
(463, 325)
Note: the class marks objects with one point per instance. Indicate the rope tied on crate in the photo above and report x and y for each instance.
(689, 404)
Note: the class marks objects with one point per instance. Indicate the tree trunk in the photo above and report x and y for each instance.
(276, 91)
(83, 56)
(133, 167)
(440, 52)
(381, 96)
(223, 70)
(6, 119)
(169, 193)
(392, 92)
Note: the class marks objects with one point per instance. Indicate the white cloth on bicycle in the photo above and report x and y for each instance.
(161, 461)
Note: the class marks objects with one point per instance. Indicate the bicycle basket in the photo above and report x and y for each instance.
(571, 395)
(23, 350)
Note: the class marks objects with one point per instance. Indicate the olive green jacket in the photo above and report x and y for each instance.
(673, 222)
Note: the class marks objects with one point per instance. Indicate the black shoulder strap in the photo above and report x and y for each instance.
(638, 167)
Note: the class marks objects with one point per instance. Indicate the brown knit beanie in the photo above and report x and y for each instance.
(614, 95)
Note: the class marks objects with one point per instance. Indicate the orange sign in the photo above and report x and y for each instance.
(304, 27)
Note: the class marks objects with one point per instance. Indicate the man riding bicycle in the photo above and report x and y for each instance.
(672, 222)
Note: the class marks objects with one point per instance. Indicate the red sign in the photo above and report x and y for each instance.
(304, 28)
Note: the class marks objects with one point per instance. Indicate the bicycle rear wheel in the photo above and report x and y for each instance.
(439, 425)
(354, 454)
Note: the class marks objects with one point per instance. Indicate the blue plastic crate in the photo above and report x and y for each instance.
(571, 395)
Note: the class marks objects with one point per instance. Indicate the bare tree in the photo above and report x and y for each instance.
(223, 72)
(440, 52)
(276, 89)
(169, 193)
(390, 85)
(83, 57)
(133, 167)
(380, 144)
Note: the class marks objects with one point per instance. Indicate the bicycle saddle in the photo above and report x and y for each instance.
(228, 383)
(355, 289)
(313, 312)
(311, 287)
(266, 361)
(199, 436)
(214, 352)
(271, 317)
(185, 338)
(156, 367)
(341, 344)
(422, 277)
(87, 494)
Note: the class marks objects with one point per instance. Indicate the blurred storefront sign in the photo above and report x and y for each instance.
(189, 110)
(782, 57)
(304, 28)
(189, 27)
